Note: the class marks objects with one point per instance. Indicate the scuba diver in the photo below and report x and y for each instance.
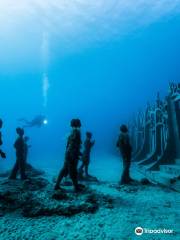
(125, 148)
(72, 156)
(88, 144)
(2, 154)
(38, 121)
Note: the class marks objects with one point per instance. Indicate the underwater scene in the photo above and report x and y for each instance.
(89, 119)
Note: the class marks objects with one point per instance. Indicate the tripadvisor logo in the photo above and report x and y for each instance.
(139, 231)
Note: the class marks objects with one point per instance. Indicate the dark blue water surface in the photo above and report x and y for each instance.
(100, 75)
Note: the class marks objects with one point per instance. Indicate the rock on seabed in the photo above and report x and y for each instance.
(35, 197)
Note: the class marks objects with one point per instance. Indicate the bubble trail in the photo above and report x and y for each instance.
(45, 87)
(45, 61)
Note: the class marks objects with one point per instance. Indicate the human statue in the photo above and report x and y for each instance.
(2, 154)
(125, 148)
(72, 156)
(88, 144)
(20, 160)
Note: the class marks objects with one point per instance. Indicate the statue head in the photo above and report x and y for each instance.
(123, 128)
(20, 131)
(76, 123)
(88, 134)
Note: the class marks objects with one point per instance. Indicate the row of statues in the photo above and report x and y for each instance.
(152, 139)
(155, 133)
(72, 167)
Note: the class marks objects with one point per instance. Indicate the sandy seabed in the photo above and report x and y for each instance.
(145, 206)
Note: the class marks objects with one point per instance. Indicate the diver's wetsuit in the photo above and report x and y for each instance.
(88, 144)
(20, 160)
(71, 159)
(123, 144)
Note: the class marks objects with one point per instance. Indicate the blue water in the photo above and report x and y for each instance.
(102, 63)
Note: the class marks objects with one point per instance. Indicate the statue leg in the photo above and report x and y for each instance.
(62, 173)
(14, 170)
(22, 168)
(73, 174)
(86, 169)
(125, 178)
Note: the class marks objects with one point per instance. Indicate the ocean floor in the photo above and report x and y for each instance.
(105, 211)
